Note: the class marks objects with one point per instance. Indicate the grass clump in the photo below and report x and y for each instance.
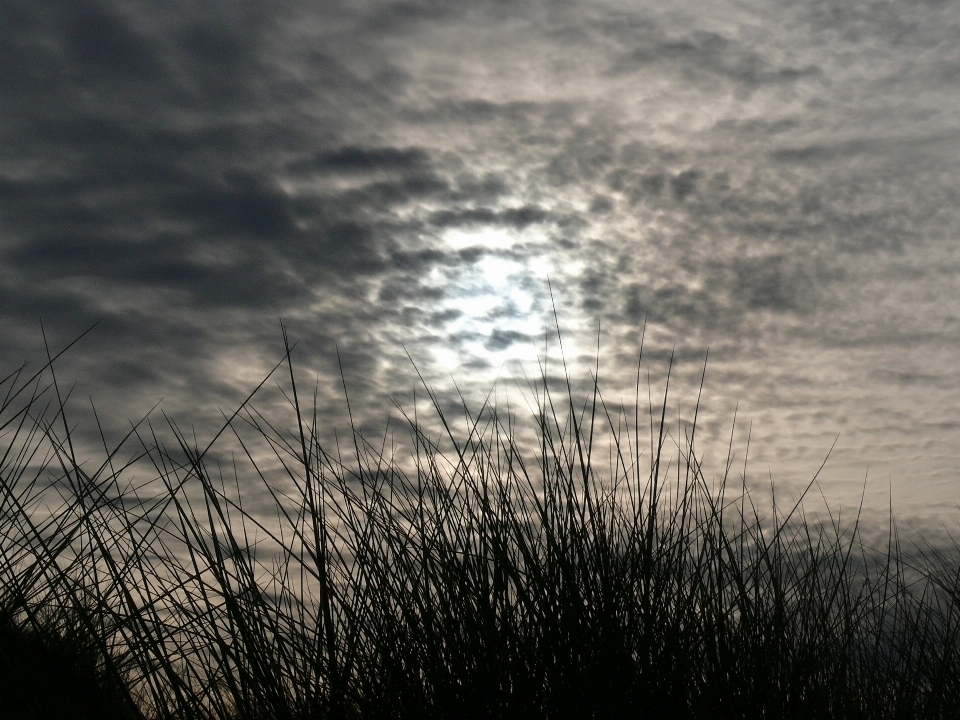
(51, 668)
(480, 575)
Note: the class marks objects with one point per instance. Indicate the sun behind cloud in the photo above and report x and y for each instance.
(490, 298)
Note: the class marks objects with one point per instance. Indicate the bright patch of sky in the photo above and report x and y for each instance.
(491, 299)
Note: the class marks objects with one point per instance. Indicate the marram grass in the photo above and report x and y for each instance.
(476, 576)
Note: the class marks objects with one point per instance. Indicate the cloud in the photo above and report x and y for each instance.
(713, 54)
(724, 294)
(354, 159)
(684, 183)
(775, 283)
(699, 56)
(503, 339)
(239, 205)
(190, 173)
(518, 218)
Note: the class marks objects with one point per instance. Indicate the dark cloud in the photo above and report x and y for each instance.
(585, 157)
(215, 60)
(601, 205)
(774, 283)
(351, 246)
(486, 189)
(162, 263)
(239, 205)
(101, 45)
(475, 111)
(702, 54)
(503, 339)
(821, 153)
(518, 218)
(355, 159)
(391, 17)
(684, 183)
(652, 184)
(899, 23)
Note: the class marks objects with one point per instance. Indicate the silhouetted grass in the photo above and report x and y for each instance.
(477, 576)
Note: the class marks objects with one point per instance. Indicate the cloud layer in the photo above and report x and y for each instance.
(775, 181)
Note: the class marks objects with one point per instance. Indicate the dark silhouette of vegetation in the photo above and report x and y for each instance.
(473, 577)
(53, 669)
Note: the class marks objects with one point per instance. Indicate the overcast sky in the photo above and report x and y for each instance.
(775, 181)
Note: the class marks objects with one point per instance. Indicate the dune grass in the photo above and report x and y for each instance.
(594, 572)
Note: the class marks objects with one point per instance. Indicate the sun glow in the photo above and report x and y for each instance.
(487, 238)
(491, 299)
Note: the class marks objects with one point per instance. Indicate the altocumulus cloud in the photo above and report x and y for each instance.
(775, 182)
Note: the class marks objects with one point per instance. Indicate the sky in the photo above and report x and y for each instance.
(772, 183)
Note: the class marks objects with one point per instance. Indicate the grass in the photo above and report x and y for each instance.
(595, 571)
